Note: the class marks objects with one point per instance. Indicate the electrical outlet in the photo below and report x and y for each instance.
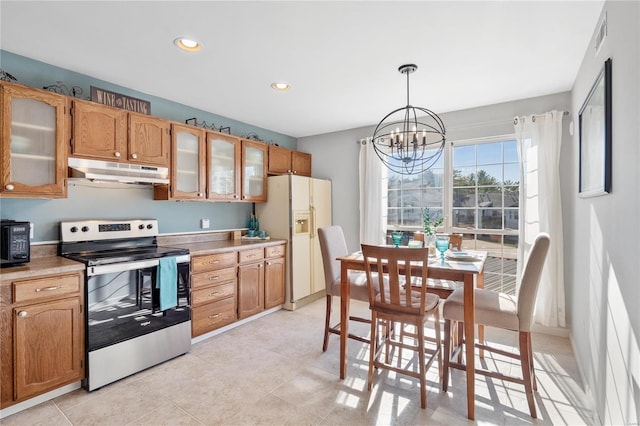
(31, 230)
(204, 223)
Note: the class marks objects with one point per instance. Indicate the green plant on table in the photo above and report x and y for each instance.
(430, 223)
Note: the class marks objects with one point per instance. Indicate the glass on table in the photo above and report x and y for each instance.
(396, 238)
(442, 244)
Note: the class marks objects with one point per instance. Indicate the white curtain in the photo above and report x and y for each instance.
(539, 140)
(373, 196)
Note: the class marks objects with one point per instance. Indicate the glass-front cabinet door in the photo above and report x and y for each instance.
(188, 162)
(223, 166)
(254, 171)
(34, 140)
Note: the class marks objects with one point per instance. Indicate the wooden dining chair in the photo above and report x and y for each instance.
(393, 300)
(332, 246)
(502, 311)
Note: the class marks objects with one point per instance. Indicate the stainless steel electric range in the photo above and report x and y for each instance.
(126, 331)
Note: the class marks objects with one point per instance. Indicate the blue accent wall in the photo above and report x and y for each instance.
(122, 201)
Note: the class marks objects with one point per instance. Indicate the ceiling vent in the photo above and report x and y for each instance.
(601, 35)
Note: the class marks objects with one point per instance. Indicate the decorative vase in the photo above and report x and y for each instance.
(430, 241)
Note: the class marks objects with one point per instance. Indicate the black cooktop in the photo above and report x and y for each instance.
(106, 257)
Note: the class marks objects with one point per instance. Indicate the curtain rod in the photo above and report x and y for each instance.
(363, 141)
(533, 117)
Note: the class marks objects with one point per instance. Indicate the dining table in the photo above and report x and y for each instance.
(468, 270)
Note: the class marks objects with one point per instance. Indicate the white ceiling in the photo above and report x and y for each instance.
(341, 58)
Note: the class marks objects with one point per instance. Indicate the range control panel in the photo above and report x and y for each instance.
(91, 230)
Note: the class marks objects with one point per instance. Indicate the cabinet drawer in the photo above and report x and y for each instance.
(48, 287)
(204, 279)
(275, 251)
(213, 261)
(250, 255)
(213, 315)
(213, 294)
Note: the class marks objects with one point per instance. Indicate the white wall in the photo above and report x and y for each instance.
(335, 155)
(602, 237)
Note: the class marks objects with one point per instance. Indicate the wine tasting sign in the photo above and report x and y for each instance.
(118, 100)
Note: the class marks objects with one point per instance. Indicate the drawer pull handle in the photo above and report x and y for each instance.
(260, 265)
(213, 262)
(214, 316)
(52, 288)
(215, 277)
(213, 293)
(269, 263)
(22, 314)
(251, 255)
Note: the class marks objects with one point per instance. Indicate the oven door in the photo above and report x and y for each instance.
(123, 301)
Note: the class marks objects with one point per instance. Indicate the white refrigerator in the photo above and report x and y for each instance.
(296, 207)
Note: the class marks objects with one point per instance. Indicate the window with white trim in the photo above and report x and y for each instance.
(475, 187)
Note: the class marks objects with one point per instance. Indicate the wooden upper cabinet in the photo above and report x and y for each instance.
(34, 136)
(254, 171)
(223, 167)
(188, 171)
(301, 163)
(149, 140)
(99, 132)
(105, 133)
(285, 161)
(279, 160)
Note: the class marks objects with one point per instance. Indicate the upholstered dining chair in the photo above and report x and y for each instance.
(393, 301)
(503, 311)
(332, 246)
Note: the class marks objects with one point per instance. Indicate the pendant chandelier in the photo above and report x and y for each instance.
(410, 139)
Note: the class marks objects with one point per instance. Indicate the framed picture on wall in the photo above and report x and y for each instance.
(595, 137)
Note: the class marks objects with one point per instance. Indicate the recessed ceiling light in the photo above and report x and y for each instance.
(279, 86)
(187, 44)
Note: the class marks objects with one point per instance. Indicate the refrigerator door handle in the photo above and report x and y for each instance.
(313, 222)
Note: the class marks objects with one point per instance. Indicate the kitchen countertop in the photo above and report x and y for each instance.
(49, 264)
(212, 247)
(40, 266)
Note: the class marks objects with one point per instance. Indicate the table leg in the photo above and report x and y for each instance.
(480, 284)
(469, 331)
(344, 318)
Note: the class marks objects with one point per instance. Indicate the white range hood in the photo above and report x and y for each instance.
(117, 172)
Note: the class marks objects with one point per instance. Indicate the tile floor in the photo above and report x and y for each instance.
(272, 371)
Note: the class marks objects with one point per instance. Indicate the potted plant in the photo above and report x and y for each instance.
(430, 224)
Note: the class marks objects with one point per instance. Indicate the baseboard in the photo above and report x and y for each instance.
(233, 325)
(292, 306)
(16, 408)
(553, 331)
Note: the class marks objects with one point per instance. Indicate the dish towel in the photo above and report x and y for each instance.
(167, 282)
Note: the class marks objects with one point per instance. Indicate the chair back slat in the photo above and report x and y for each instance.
(393, 269)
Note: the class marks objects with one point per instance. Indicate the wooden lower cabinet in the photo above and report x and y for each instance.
(42, 332)
(213, 291)
(214, 315)
(250, 289)
(234, 285)
(274, 276)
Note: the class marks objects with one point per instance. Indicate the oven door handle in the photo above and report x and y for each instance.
(130, 266)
